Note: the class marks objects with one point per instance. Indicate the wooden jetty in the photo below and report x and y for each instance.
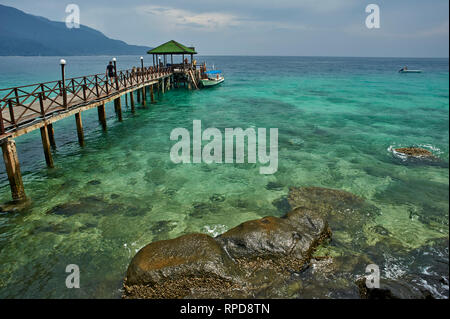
(27, 108)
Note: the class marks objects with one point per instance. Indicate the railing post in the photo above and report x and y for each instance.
(84, 92)
(63, 79)
(41, 104)
(96, 86)
(107, 89)
(142, 69)
(16, 93)
(11, 112)
(43, 92)
(84, 89)
(2, 126)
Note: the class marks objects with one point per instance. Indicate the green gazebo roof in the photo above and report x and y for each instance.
(172, 47)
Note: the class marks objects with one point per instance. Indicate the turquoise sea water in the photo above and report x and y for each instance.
(338, 119)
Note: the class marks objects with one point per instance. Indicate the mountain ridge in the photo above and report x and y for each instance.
(23, 34)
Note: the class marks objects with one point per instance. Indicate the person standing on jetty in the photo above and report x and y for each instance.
(110, 72)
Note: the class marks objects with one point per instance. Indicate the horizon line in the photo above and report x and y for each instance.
(243, 55)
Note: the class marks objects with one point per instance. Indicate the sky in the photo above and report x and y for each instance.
(408, 28)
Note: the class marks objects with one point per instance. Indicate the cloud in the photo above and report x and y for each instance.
(441, 30)
(214, 21)
(324, 6)
(207, 21)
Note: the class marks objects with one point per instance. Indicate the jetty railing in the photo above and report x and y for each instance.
(24, 104)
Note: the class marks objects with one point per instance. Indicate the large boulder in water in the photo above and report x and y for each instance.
(170, 268)
(294, 235)
(239, 263)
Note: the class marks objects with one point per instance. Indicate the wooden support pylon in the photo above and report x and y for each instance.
(102, 115)
(152, 95)
(143, 96)
(132, 102)
(80, 132)
(46, 147)
(118, 107)
(51, 135)
(12, 166)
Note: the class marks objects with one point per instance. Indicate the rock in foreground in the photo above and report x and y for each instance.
(239, 263)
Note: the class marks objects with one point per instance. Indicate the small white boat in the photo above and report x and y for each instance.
(212, 82)
(214, 77)
(410, 71)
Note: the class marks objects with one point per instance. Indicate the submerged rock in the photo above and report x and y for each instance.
(274, 186)
(217, 198)
(282, 204)
(156, 176)
(342, 210)
(66, 209)
(87, 205)
(239, 263)
(380, 230)
(199, 209)
(16, 206)
(162, 227)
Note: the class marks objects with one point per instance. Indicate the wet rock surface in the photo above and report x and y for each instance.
(414, 152)
(184, 263)
(392, 289)
(243, 262)
(293, 235)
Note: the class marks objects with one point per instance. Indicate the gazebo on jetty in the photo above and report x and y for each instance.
(185, 72)
(171, 48)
